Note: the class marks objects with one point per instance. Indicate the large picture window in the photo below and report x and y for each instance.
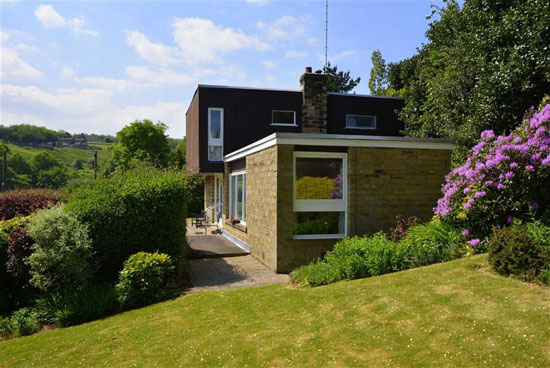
(215, 134)
(361, 122)
(320, 195)
(237, 196)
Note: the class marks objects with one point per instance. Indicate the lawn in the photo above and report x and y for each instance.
(456, 314)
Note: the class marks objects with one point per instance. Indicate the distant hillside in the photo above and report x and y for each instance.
(32, 135)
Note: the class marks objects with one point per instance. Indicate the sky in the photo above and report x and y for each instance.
(94, 67)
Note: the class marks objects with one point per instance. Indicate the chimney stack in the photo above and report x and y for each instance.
(314, 101)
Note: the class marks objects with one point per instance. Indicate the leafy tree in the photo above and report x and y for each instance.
(483, 65)
(141, 141)
(78, 164)
(54, 178)
(44, 161)
(339, 81)
(179, 154)
(19, 165)
(378, 81)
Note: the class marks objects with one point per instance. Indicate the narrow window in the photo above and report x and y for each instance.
(237, 196)
(320, 195)
(360, 122)
(215, 134)
(279, 117)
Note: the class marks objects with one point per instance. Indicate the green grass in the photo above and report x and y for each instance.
(455, 314)
(67, 155)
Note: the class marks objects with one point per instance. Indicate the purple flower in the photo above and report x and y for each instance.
(474, 242)
(513, 165)
(509, 175)
(469, 203)
(467, 190)
(480, 194)
(500, 186)
(530, 168)
(488, 134)
(465, 233)
(535, 206)
(510, 219)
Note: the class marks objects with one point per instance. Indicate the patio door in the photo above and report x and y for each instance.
(218, 199)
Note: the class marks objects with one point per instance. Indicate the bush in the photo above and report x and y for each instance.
(145, 279)
(75, 305)
(24, 322)
(195, 201)
(400, 230)
(19, 250)
(309, 187)
(503, 179)
(140, 210)
(62, 252)
(359, 257)
(521, 250)
(24, 202)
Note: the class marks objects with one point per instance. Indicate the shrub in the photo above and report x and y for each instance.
(140, 210)
(61, 253)
(24, 202)
(503, 179)
(309, 187)
(145, 279)
(314, 274)
(400, 230)
(75, 305)
(432, 242)
(5, 326)
(24, 322)
(19, 250)
(195, 201)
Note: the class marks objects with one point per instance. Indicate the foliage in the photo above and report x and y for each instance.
(483, 64)
(142, 141)
(378, 80)
(195, 199)
(138, 210)
(339, 81)
(54, 178)
(24, 202)
(359, 257)
(62, 251)
(24, 322)
(19, 250)
(309, 187)
(145, 279)
(79, 164)
(77, 304)
(400, 230)
(323, 225)
(5, 326)
(25, 134)
(503, 179)
(44, 161)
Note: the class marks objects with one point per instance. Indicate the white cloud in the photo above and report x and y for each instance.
(13, 67)
(268, 64)
(285, 28)
(202, 41)
(341, 55)
(158, 77)
(67, 72)
(259, 2)
(296, 54)
(155, 53)
(21, 46)
(86, 109)
(50, 18)
(108, 83)
(4, 36)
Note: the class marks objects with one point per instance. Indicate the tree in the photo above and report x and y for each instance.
(339, 81)
(179, 154)
(44, 161)
(484, 64)
(54, 178)
(378, 81)
(142, 141)
(78, 164)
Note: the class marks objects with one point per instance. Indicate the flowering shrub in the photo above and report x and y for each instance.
(503, 179)
(309, 187)
(24, 202)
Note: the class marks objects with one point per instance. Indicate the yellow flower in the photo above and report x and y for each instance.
(142, 280)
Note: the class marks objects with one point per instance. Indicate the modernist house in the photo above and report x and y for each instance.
(289, 172)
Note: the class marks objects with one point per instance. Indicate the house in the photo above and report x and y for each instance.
(289, 172)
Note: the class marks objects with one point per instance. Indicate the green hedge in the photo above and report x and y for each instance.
(138, 210)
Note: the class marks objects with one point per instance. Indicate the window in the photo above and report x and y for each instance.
(279, 117)
(320, 195)
(237, 196)
(215, 134)
(360, 122)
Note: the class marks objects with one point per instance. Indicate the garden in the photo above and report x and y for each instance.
(498, 202)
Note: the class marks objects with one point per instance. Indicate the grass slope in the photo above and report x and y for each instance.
(455, 314)
(67, 155)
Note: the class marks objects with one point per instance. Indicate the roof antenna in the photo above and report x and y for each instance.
(326, 35)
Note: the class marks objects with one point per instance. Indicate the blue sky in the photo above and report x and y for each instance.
(96, 66)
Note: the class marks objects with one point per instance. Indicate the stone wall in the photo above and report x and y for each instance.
(314, 103)
(208, 191)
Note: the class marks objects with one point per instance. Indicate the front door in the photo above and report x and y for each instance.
(218, 199)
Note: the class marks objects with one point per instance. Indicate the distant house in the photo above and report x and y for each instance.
(73, 142)
(289, 172)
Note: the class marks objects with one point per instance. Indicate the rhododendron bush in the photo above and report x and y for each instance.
(504, 178)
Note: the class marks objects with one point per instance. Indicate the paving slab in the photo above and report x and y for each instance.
(210, 246)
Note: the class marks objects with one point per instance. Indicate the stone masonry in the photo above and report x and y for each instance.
(314, 103)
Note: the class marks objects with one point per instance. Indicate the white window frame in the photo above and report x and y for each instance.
(233, 196)
(217, 142)
(323, 205)
(362, 128)
(283, 124)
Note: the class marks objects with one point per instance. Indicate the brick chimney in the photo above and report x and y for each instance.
(314, 101)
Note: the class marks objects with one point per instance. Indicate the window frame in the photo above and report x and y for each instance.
(322, 205)
(283, 124)
(362, 128)
(215, 142)
(232, 211)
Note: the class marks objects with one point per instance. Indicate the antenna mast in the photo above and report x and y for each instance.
(326, 35)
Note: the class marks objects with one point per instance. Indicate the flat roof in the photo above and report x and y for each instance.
(339, 140)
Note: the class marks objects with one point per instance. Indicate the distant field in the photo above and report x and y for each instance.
(67, 155)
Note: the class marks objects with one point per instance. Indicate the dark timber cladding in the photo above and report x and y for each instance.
(384, 108)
